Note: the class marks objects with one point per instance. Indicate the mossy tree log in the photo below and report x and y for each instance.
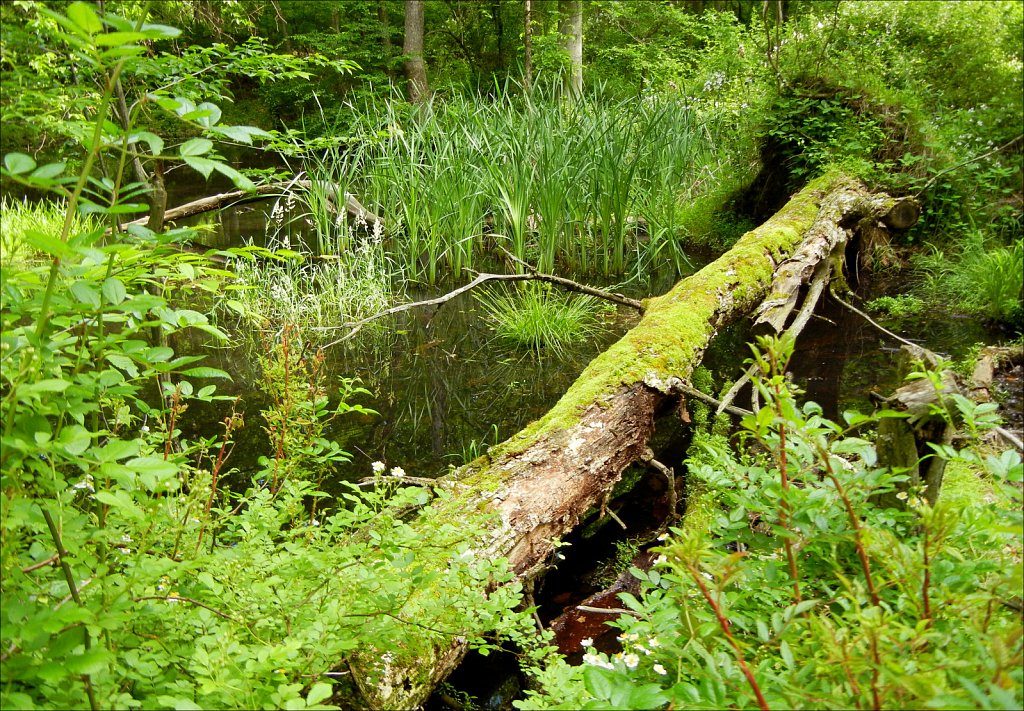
(540, 482)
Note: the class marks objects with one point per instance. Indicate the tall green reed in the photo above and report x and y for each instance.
(589, 185)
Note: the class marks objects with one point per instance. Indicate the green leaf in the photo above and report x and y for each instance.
(203, 165)
(49, 385)
(48, 171)
(18, 163)
(156, 144)
(648, 696)
(177, 703)
(240, 181)
(84, 17)
(196, 147)
(124, 363)
(114, 290)
(598, 682)
(243, 134)
(84, 293)
(212, 114)
(787, 654)
(47, 244)
(112, 39)
(158, 31)
(206, 372)
(152, 465)
(90, 662)
(318, 693)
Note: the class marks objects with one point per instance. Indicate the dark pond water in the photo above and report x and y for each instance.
(445, 389)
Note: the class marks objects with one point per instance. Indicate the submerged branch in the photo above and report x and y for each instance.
(568, 284)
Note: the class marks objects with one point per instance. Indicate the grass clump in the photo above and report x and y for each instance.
(315, 296)
(982, 279)
(536, 318)
(898, 306)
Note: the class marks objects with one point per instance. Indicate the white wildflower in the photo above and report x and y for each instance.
(378, 467)
(653, 642)
(397, 471)
(588, 642)
(658, 669)
(631, 660)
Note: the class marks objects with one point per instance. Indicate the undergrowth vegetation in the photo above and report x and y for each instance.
(798, 591)
(139, 568)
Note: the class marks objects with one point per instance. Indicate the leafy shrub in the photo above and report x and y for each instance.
(804, 594)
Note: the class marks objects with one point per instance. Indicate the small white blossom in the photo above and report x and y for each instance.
(902, 496)
(397, 471)
(653, 642)
(660, 560)
(631, 660)
(595, 660)
(658, 669)
(588, 642)
(378, 467)
(663, 537)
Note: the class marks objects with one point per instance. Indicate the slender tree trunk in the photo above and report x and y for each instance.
(528, 46)
(499, 30)
(412, 47)
(385, 24)
(570, 26)
(282, 25)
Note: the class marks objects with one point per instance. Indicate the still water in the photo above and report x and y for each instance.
(444, 388)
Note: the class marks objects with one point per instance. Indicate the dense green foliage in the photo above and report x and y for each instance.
(800, 593)
(139, 569)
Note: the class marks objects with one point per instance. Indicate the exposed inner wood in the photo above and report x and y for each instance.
(542, 481)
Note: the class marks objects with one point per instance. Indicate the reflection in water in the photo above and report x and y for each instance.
(440, 382)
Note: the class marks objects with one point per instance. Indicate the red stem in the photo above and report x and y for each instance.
(723, 622)
(927, 581)
(787, 543)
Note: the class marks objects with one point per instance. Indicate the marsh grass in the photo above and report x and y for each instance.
(981, 278)
(593, 186)
(538, 319)
(17, 217)
(317, 296)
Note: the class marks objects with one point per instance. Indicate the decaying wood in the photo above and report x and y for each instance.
(904, 443)
(352, 206)
(542, 481)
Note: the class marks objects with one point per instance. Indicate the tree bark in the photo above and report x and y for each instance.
(542, 481)
(412, 47)
(570, 26)
(385, 24)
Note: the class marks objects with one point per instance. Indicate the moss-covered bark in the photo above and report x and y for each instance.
(542, 480)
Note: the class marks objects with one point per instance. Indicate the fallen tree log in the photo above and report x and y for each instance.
(541, 481)
(352, 206)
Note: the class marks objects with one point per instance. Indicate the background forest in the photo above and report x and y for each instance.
(408, 145)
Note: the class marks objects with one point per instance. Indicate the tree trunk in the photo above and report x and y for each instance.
(385, 24)
(527, 46)
(571, 28)
(412, 47)
(542, 481)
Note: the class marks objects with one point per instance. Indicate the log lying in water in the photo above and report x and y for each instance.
(352, 206)
(542, 481)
